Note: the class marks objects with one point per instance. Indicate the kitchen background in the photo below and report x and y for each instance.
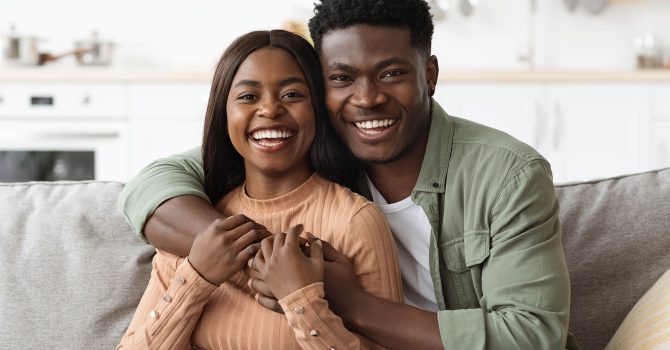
(576, 83)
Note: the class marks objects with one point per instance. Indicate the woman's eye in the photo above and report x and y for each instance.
(247, 97)
(292, 94)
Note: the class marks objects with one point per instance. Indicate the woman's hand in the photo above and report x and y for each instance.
(225, 246)
(283, 265)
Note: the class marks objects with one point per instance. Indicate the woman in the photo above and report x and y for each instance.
(268, 153)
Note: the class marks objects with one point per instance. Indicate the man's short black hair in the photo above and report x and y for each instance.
(338, 14)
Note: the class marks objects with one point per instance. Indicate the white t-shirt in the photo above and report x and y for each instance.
(411, 229)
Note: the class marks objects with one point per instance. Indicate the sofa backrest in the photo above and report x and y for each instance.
(71, 270)
(616, 237)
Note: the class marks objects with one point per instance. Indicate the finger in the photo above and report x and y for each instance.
(297, 229)
(309, 237)
(279, 241)
(261, 288)
(266, 247)
(249, 238)
(231, 222)
(239, 231)
(292, 236)
(269, 303)
(316, 251)
(246, 254)
(332, 254)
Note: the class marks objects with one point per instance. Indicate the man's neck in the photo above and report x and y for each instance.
(395, 180)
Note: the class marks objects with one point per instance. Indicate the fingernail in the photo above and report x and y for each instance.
(249, 283)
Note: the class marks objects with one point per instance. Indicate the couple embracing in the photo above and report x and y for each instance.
(335, 205)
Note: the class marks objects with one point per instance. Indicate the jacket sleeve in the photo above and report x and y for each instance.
(170, 307)
(370, 246)
(163, 179)
(525, 286)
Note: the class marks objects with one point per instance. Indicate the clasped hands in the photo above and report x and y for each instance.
(277, 264)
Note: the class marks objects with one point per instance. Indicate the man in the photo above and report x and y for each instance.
(473, 210)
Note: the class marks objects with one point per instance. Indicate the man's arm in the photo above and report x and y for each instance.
(166, 203)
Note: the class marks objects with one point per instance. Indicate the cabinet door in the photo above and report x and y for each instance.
(153, 140)
(597, 130)
(660, 143)
(516, 109)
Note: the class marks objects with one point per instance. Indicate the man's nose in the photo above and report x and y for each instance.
(368, 95)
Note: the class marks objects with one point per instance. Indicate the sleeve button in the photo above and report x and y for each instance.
(153, 314)
(314, 333)
(299, 310)
(180, 280)
(167, 298)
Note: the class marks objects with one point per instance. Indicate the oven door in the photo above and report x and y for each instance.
(60, 150)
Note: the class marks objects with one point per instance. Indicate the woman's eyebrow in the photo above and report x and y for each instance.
(247, 82)
(292, 80)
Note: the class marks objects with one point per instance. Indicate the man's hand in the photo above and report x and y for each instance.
(225, 246)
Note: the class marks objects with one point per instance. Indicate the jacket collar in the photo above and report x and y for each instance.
(433, 175)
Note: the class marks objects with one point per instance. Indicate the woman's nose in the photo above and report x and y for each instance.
(270, 108)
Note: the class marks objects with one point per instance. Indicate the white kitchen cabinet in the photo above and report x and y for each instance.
(660, 144)
(597, 130)
(517, 109)
(153, 140)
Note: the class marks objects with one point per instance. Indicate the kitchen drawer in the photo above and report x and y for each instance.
(63, 101)
(176, 101)
(660, 102)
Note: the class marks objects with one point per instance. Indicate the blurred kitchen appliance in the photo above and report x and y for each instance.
(62, 132)
(94, 51)
(648, 51)
(20, 50)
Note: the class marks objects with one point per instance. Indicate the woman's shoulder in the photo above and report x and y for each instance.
(341, 196)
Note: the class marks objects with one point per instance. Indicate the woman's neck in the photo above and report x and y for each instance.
(267, 185)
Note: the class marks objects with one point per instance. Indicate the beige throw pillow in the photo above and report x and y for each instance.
(647, 325)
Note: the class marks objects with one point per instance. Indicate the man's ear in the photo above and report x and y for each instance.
(432, 73)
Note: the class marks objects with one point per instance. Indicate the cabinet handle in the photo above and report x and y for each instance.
(557, 126)
(539, 125)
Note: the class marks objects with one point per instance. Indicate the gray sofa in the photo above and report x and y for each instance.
(72, 271)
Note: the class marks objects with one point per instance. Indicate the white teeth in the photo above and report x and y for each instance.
(271, 134)
(372, 124)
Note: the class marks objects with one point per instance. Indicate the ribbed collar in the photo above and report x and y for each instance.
(285, 201)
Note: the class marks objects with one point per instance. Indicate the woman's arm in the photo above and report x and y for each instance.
(368, 244)
(179, 288)
(170, 307)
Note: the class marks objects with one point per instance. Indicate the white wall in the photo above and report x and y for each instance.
(192, 34)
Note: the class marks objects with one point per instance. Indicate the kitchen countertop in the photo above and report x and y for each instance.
(119, 75)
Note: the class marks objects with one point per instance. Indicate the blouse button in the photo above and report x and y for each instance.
(180, 280)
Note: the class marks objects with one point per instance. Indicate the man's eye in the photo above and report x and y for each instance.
(393, 73)
(340, 78)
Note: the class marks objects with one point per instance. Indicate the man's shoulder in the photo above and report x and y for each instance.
(470, 136)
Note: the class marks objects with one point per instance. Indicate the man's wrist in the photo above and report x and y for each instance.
(355, 311)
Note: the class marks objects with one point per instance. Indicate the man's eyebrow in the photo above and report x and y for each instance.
(341, 66)
(247, 82)
(389, 61)
(292, 80)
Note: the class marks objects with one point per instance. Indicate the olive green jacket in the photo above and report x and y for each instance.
(496, 257)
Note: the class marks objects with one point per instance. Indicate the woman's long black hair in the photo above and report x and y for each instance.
(223, 166)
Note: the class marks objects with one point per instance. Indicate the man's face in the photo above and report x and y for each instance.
(377, 90)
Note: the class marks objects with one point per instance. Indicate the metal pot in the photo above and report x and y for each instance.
(94, 52)
(21, 50)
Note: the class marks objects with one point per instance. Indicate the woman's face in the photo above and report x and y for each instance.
(270, 115)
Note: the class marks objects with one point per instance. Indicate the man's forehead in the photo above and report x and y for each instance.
(365, 42)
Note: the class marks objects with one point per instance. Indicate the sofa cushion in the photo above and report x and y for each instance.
(647, 326)
(72, 270)
(616, 236)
